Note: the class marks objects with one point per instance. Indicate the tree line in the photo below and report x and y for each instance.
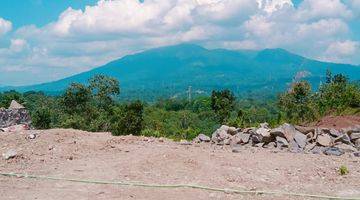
(95, 107)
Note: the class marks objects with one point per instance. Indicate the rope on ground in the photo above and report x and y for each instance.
(136, 184)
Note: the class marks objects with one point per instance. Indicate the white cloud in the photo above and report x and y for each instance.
(5, 26)
(82, 39)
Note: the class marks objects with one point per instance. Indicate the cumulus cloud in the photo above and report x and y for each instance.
(82, 39)
(5, 26)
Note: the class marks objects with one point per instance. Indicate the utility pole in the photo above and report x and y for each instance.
(189, 94)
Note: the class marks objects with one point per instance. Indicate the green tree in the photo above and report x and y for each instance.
(104, 89)
(128, 119)
(222, 103)
(8, 96)
(76, 98)
(297, 103)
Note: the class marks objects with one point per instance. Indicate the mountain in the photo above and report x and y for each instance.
(169, 71)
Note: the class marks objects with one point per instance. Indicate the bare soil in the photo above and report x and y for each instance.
(100, 156)
(338, 122)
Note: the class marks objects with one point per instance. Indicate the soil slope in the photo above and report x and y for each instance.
(78, 154)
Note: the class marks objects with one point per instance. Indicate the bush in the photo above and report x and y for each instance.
(41, 119)
(128, 119)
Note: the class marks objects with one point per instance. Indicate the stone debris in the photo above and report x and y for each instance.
(9, 154)
(16, 114)
(292, 138)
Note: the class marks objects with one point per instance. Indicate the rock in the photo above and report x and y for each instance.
(256, 138)
(270, 145)
(234, 140)
(286, 130)
(356, 154)
(32, 136)
(281, 142)
(236, 149)
(265, 135)
(11, 117)
(203, 138)
(346, 148)
(300, 139)
(309, 147)
(333, 151)
(220, 134)
(357, 143)
(9, 154)
(232, 130)
(354, 136)
(244, 137)
(15, 105)
(250, 130)
(161, 139)
(344, 138)
(185, 142)
(335, 133)
(294, 147)
(352, 129)
(264, 125)
(324, 140)
(16, 128)
(259, 144)
(227, 141)
(317, 150)
(305, 130)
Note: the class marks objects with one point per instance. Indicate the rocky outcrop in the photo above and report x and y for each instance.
(293, 138)
(16, 114)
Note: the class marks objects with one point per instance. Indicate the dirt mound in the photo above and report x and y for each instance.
(100, 156)
(338, 122)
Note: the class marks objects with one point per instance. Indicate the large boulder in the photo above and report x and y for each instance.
(324, 140)
(263, 135)
(300, 139)
(355, 136)
(15, 105)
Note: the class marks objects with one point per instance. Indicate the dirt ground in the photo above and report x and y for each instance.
(77, 154)
(338, 122)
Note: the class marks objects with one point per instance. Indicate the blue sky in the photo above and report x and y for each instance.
(45, 40)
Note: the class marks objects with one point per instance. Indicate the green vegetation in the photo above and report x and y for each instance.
(95, 107)
(343, 170)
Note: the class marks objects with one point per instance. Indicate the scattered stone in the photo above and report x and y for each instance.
(354, 136)
(324, 140)
(234, 140)
(317, 150)
(357, 143)
(9, 154)
(346, 148)
(281, 142)
(32, 136)
(245, 138)
(203, 138)
(333, 151)
(344, 138)
(185, 142)
(256, 138)
(304, 129)
(161, 139)
(265, 133)
(353, 129)
(259, 144)
(264, 125)
(236, 149)
(300, 139)
(227, 141)
(232, 130)
(356, 154)
(335, 133)
(309, 147)
(270, 145)
(16, 128)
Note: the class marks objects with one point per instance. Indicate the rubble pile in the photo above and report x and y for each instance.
(14, 118)
(289, 137)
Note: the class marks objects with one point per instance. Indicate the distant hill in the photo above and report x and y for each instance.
(169, 71)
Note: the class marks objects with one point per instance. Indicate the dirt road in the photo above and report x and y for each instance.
(83, 155)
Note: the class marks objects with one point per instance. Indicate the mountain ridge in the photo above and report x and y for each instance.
(171, 69)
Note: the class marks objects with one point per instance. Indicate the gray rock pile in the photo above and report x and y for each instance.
(293, 138)
(16, 114)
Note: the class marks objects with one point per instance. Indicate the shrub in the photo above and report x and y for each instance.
(41, 119)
